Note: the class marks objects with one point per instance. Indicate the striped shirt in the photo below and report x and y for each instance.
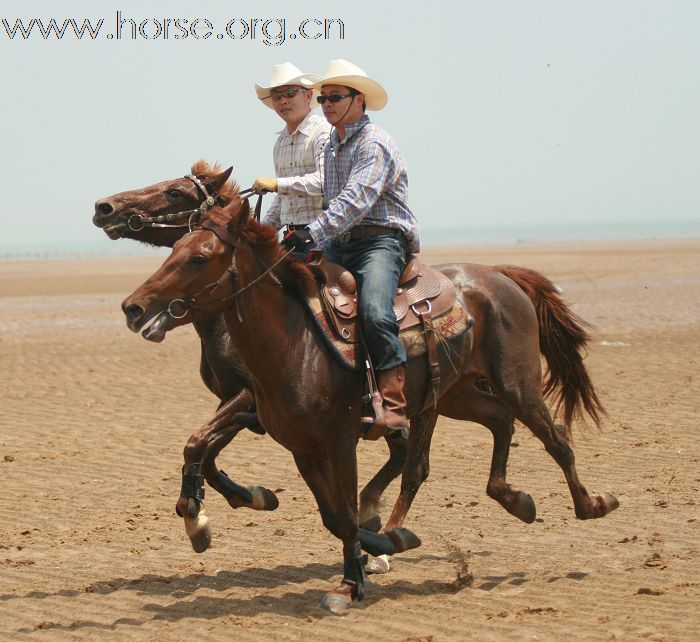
(298, 159)
(365, 182)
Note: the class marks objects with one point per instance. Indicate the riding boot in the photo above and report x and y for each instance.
(391, 387)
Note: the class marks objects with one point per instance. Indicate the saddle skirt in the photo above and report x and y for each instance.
(422, 290)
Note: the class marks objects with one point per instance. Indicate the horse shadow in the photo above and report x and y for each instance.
(291, 605)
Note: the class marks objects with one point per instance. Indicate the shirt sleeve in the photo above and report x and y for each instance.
(308, 184)
(273, 214)
(373, 172)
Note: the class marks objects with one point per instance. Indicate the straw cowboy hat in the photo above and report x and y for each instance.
(342, 72)
(285, 74)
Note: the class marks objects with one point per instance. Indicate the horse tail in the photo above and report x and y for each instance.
(563, 341)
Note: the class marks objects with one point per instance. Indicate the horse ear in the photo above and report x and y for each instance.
(216, 182)
(239, 215)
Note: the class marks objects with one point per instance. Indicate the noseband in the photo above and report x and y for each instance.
(137, 222)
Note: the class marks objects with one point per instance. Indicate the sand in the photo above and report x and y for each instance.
(94, 419)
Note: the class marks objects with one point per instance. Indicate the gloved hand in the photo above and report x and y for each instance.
(262, 185)
(297, 240)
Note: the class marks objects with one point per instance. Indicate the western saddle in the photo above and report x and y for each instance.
(423, 294)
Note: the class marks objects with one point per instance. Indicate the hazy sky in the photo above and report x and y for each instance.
(509, 112)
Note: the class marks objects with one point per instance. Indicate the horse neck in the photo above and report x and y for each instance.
(268, 322)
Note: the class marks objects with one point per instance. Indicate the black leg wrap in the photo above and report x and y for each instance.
(354, 571)
(192, 483)
(376, 543)
(231, 489)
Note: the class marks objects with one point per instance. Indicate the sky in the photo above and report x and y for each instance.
(527, 114)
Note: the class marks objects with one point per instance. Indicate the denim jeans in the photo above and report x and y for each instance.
(377, 263)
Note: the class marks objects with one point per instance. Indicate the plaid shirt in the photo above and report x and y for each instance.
(298, 161)
(365, 183)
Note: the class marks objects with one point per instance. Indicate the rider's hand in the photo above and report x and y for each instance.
(262, 185)
(297, 240)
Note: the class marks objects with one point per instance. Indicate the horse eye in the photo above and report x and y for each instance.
(199, 259)
(174, 193)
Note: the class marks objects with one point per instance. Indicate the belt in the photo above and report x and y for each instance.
(293, 228)
(364, 231)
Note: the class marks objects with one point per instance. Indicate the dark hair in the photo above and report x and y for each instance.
(355, 92)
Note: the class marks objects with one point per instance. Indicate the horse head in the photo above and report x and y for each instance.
(162, 213)
(195, 279)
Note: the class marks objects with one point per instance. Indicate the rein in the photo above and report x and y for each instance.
(190, 302)
(137, 222)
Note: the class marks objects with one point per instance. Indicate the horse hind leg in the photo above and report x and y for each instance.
(487, 411)
(536, 417)
(472, 403)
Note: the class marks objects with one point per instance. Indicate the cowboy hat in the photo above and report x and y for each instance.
(285, 74)
(342, 72)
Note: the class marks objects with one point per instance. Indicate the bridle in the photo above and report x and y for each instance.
(187, 218)
(190, 303)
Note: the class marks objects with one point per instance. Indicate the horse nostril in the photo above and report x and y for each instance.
(133, 312)
(104, 207)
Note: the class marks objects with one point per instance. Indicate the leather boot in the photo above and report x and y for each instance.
(391, 387)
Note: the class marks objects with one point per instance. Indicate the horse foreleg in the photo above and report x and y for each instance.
(335, 492)
(199, 454)
(417, 466)
(333, 481)
(229, 420)
(371, 494)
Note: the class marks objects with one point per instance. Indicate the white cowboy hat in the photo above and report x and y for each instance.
(286, 74)
(342, 72)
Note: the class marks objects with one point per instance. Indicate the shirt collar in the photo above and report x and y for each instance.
(304, 126)
(350, 130)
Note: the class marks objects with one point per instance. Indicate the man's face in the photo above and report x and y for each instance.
(291, 102)
(344, 112)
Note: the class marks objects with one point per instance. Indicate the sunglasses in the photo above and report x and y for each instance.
(334, 98)
(286, 93)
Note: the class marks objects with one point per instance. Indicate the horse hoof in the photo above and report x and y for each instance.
(263, 499)
(378, 565)
(608, 503)
(524, 508)
(336, 603)
(201, 540)
(199, 533)
(403, 539)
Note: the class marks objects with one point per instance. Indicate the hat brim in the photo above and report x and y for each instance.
(306, 80)
(376, 97)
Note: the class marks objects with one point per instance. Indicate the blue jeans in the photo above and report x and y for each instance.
(377, 263)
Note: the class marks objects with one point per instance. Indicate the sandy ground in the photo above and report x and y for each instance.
(94, 419)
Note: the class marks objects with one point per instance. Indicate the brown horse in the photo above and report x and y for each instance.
(234, 264)
(159, 215)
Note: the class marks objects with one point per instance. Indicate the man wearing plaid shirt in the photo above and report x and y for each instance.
(367, 225)
(298, 151)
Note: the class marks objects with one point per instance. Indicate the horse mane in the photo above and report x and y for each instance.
(292, 272)
(204, 170)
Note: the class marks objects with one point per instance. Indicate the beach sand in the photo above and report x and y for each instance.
(94, 419)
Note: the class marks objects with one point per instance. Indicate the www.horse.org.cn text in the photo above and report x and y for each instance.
(271, 32)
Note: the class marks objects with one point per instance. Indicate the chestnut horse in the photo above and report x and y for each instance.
(233, 264)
